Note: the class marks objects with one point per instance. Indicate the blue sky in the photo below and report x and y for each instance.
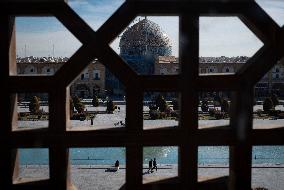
(218, 35)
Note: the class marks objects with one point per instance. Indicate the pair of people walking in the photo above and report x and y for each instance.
(152, 165)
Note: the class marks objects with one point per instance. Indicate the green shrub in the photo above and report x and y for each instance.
(154, 114)
(174, 114)
(163, 115)
(225, 106)
(79, 116)
(267, 104)
(161, 103)
(274, 113)
(216, 113)
(281, 115)
(212, 112)
(168, 111)
(95, 101)
(34, 105)
(219, 114)
(204, 106)
(23, 114)
(79, 106)
(217, 100)
(258, 112)
(39, 116)
(274, 99)
(110, 106)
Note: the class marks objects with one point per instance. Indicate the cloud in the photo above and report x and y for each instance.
(218, 35)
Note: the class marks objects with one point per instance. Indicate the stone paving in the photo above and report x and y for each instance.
(112, 121)
(98, 177)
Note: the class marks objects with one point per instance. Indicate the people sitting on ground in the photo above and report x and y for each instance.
(121, 123)
(150, 166)
(154, 165)
(116, 165)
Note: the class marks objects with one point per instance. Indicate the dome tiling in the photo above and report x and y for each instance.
(145, 37)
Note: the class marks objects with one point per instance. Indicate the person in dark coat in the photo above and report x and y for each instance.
(150, 165)
(116, 165)
(155, 165)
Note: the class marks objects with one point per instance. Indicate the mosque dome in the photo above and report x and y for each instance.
(145, 37)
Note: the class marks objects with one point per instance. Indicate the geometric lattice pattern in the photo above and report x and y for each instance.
(239, 136)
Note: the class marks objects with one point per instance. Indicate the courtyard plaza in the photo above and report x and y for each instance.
(113, 121)
(96, 177)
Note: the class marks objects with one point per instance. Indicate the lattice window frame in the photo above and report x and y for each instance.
(239, 136)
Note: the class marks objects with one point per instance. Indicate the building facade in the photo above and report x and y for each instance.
(272, 82)
(89, 83)
(92, 81)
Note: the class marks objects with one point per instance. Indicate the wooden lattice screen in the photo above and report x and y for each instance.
(239, 136)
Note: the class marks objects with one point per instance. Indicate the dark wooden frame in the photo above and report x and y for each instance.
(239, 135)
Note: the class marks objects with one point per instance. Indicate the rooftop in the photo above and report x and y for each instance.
(162, 59)
(222, 59)
(33, 59)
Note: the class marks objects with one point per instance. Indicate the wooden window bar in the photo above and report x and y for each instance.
(239, 136)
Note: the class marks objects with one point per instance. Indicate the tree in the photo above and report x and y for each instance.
(110, 106)
(161, 103)
(79, 106)
(225, 106)
(204, 106)
(95, 101)
(154, 114)
(274, 99)
(267, 104)
(34, 105)
(217, 100)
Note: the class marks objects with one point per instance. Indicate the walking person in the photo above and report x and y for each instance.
(116, 165)
(150, 165)
(155, 165)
